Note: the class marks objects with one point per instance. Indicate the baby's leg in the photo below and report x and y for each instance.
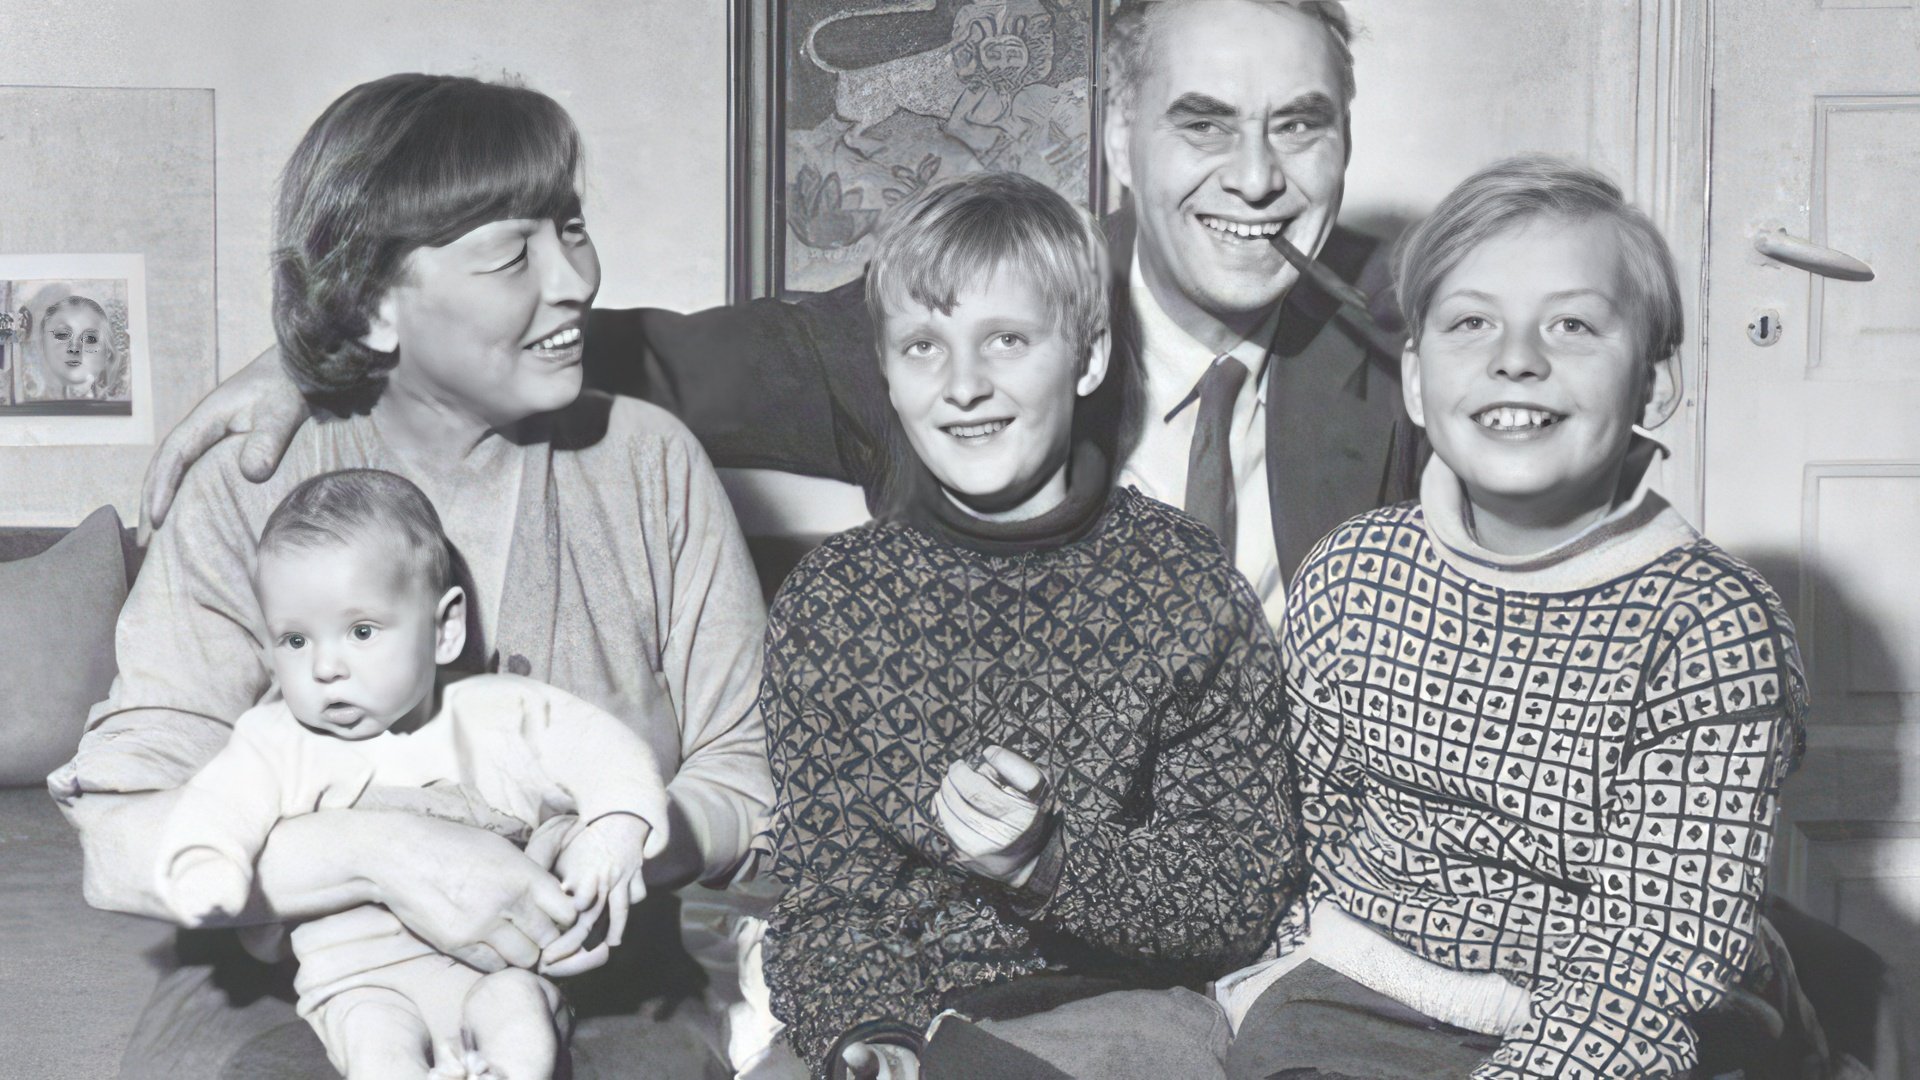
(375, 1034)
(201, 883)
(518, 1024)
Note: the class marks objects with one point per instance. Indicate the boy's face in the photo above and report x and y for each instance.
(986, 391)
(353, 638)
(1529, 375)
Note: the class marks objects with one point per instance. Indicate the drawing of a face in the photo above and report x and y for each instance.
(76, 342)
(1008, 46)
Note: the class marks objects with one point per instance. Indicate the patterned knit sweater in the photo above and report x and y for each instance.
(1562, 768)
(1131, 664)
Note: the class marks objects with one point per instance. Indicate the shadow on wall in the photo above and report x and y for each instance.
(1849, 836)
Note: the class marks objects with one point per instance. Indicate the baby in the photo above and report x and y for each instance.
(355, 583)
(1541, 724)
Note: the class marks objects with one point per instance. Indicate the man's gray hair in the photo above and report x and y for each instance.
(1130, 39)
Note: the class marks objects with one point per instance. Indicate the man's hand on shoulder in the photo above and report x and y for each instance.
(260, 403)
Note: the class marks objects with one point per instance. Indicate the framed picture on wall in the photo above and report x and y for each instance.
(840, 108)
(73, 349)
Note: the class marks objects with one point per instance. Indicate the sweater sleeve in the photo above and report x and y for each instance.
(603, 766)
(1196, 866)
(711, 659)
(1331, 779)
(817, 405)
(865, 931)
(228, 807)
(188, 644)
(836, 954)
(1678, 878)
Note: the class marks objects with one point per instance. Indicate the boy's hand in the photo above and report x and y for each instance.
(993, 810)
(601, 869)
(880, 1061)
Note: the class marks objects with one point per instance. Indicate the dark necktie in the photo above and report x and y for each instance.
(1210, 460)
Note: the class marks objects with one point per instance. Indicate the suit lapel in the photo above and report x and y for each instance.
(1330, 425)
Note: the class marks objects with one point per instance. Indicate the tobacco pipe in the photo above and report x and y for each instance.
(1354, 301)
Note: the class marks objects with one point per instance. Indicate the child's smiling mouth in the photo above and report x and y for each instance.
(1516, 419)
(976, 432)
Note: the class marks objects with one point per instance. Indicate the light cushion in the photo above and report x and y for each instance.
(56, 644)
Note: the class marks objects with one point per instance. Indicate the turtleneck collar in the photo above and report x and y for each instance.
(1089, 487)
(1640, 529)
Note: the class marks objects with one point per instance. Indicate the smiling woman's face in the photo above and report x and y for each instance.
(493, 324)
(76, 344)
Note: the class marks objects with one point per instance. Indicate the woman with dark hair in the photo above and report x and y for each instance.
(432, 276)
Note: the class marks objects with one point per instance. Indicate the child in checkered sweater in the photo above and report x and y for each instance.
(1026, 731)
(1540, 722)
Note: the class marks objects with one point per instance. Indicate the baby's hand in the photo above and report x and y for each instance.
(601, 869)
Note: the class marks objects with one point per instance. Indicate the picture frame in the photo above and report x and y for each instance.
(74, 360)
(838, 108)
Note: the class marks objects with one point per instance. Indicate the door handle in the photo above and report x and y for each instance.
(1806, 255)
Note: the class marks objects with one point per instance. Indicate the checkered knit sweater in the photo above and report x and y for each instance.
(1132, 665)
(1564, 769)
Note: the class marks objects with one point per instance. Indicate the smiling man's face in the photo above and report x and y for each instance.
(1237, 131)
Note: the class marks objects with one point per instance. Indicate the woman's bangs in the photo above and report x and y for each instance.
(489, 161)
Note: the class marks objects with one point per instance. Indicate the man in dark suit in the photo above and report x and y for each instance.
(1238, 391)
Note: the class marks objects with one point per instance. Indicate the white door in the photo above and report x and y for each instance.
(1811, 443)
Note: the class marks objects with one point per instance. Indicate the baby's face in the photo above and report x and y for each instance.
(985, 391)
(351, 635)
(76, 344)
(1529, 375)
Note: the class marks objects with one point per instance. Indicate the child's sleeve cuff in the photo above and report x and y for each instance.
(1048, 868)
(880, 1032)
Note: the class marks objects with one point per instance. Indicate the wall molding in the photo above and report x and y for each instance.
(1673, 148)
(1824, 107)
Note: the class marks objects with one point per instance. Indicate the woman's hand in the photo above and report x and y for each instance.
(260, 402)
(470, 894)
(993, 810)
(880, 1061)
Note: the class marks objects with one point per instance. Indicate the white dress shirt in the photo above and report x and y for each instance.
(1173, 362)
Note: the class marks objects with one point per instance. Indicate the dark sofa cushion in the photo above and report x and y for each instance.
(57, 644)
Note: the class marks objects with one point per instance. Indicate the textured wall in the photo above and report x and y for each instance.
(1443, 88)
(644, 79)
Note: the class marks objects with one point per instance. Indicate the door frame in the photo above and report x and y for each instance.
(1673, 151)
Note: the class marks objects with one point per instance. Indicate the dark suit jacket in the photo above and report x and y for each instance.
(796, 386)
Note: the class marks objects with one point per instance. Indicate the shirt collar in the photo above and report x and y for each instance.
(1166, 346)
